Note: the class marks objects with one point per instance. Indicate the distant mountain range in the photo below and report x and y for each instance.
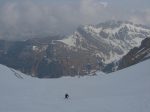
(108, 46)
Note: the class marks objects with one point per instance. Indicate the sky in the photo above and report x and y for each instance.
(23, 17)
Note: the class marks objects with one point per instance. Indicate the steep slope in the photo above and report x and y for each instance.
(30, 57)
(125, 91)
(87, 50)
(110, 40)
(136, 55)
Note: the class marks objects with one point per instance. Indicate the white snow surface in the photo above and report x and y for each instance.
(127, 90)
(70, 41)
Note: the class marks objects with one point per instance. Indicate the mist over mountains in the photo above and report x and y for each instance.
(89, 49)
(22, 20)
(27, 19)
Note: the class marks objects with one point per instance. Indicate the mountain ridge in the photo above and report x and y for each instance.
(86, 51)
(118, 39)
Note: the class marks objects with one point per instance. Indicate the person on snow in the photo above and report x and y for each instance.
(66, 96)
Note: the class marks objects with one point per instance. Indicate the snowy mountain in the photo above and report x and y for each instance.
(136, 55)
(89, 49)
(110, 40)
(127, 90)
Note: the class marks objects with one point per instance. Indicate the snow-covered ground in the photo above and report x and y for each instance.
(127, 90)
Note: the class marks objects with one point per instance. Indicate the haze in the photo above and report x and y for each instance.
(27, 18)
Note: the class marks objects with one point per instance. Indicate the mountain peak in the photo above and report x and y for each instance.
(88, 49)
(109, 40)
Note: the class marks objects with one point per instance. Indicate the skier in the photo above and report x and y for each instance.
(66, 96)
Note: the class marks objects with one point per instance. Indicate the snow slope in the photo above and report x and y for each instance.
(127, 90)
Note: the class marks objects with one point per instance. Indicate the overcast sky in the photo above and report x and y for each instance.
(64, 16)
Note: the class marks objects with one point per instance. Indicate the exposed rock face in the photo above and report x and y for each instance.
(136, 55)
(29, 57)
(89, 49)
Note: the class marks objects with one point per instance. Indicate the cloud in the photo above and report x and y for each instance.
(141, 17)
(25, 18)
(90, 11)
(30, 16)
(9, 14)
(105, 4)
